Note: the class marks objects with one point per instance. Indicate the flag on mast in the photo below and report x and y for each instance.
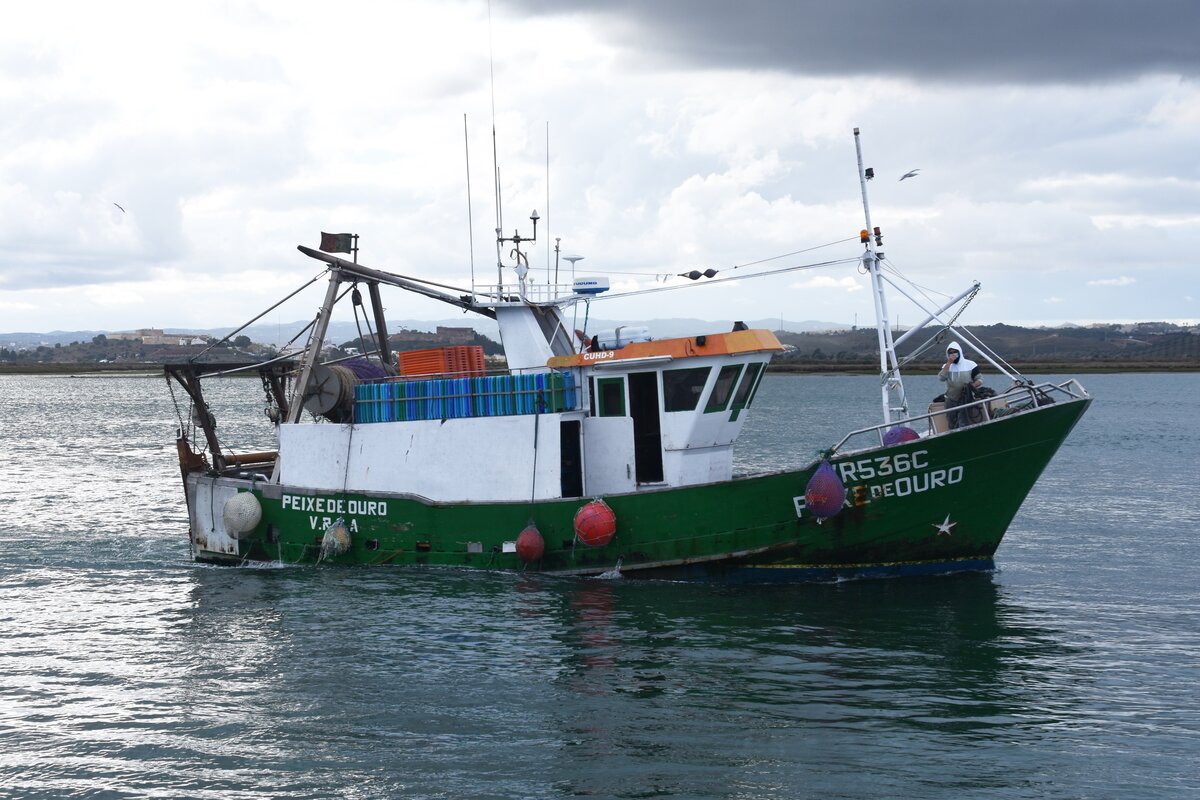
(337, 242)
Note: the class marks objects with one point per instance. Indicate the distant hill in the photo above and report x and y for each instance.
(1151, 342)
(810, 343)
(26, 339)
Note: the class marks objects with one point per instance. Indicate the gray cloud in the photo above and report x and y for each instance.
(67, 160)
(957, 41)
(681, 135)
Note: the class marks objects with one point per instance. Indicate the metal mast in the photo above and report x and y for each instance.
(891, 384)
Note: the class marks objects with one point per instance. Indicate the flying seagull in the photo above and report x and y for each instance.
(912, 173)
(118, 205)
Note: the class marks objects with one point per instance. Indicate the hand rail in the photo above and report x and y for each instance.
(534, 293)
(1072, 388)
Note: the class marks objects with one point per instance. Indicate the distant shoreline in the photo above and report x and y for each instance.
(788, 368)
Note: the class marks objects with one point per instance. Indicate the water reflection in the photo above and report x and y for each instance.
(614, 688)
(764, 684)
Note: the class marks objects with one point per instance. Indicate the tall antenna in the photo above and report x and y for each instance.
(470, 219)
(495, 159)
(499, 214)
(548, 198)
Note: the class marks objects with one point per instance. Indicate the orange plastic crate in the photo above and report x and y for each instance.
(459, 359)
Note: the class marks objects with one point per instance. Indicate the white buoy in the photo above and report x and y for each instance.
(242, 513)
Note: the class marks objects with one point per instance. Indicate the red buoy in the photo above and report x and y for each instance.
(595, 524)
(530, 545)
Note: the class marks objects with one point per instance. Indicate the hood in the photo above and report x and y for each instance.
(963, 364)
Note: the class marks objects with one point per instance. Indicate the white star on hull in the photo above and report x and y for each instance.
(945, 527)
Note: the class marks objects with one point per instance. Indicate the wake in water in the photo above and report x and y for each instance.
(612, 574)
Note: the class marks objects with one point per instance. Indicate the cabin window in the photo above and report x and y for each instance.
(610, 397)
(754, 392)
(682, 388)
(741, 398)
(724, 388)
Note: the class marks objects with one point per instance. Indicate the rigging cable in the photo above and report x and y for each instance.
(795, 252)
(659, 274)
(470, 218)
(937, 337)
(313, 323)
(175, 402)
(311, 281)
(989, 353)
(890, 266)
(779, 271)
(495, 156)
(967, 334)
(533, 484)
(356, 302)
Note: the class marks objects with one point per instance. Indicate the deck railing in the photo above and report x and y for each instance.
(1018, 399)
(537, 293)
(460, 397)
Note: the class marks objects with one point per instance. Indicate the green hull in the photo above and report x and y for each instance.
(937, 504)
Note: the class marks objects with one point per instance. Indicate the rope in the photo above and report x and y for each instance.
(231, 334)
(940, 336)
(175, 402)
(357, 303)
(891, 267)
(346, 470)
(1009, 369)
(795, 252)
(533, 483)
(731, 278)
(733, 267)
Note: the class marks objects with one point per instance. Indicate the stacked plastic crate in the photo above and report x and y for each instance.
(459, 397)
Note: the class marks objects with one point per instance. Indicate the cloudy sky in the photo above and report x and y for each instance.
(1058, 144)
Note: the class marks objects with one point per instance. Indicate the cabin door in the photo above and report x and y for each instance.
(571, 453)
(647, 430)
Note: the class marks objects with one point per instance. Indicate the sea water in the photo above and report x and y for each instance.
(128, 671)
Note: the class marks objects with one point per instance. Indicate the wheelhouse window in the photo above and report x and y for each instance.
(754, 392)
(719, 398)
(682, 388)
(744, 393)
(741, 398)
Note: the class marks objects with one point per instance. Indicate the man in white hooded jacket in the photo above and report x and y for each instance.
(958, 372)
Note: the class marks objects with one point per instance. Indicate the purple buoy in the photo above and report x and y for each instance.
(899, 435)
(825, 493)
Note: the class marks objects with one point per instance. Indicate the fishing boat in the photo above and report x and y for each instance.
(601, 454)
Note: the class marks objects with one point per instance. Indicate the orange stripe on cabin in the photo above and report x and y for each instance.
(715, 344)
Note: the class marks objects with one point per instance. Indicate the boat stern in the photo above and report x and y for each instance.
(209, 533)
